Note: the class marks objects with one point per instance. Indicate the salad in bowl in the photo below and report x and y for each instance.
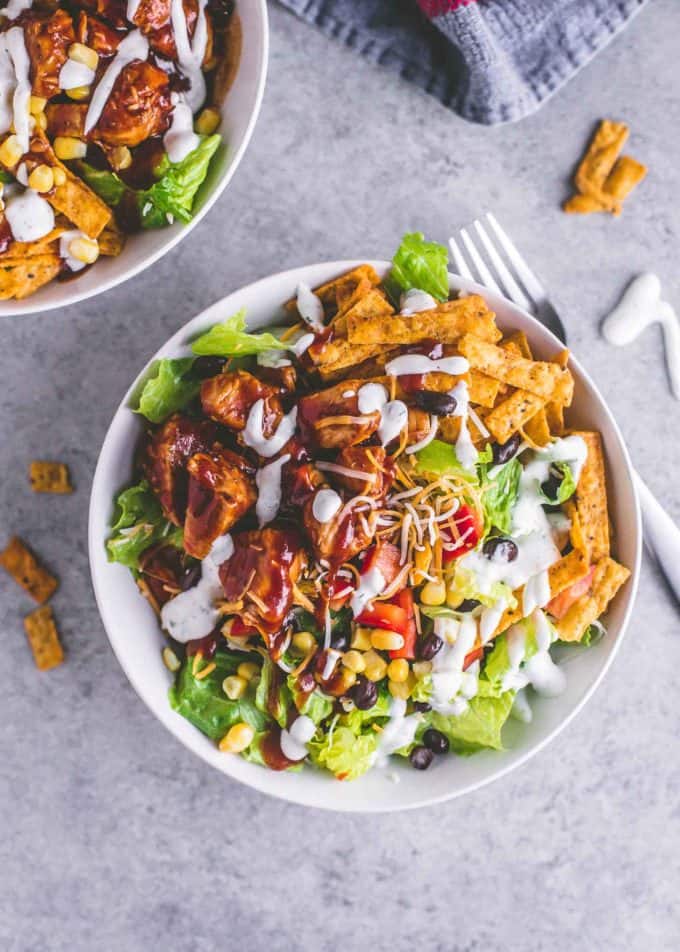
(369, 532)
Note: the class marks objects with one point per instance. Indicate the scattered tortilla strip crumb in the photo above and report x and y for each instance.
(605, 178)
(445, 323)
(27, 571)
(626, 174)
(536, 376)
(608, 579)
(509, 416)
(43, 638)
(567, 570)
(49, 477)
(591, 498)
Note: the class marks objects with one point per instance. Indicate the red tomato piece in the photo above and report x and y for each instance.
(404, 600)
(384, 615)
(560, 604)
(473, 656)
(386, 558)
(469, 529)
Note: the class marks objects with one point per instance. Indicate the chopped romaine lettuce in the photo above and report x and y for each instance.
(315, 705)
(139, 524)
(231, 339)
(464, 585)
(497, 663)
(344, 753)
(170, 388)
(479, 727)
(421, 264)
(500, 495)
(204, 703)
(273, 696)
(359, 721)
(567, 486)
(109, 186)
(440, 459)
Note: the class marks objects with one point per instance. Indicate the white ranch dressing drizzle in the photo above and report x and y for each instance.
(414, 301)
(131, 10)
(133, 47)
(398, 732)
(65, 239)
(453, 688)
(180, 139)
(302, 344)
(254, 437)
(192, 614)
(422, 364)
(190, 53)
(309, 307)
(393, 413)
(294, 739)
(272, 358)
(429, 436)
(73, 74)
(15, 78)
(326, 504)
(465, 448)
(536, 592)
(540, 671)
(332, 658)
(29, 215)
(15, 8)
(639, 306)
(371, 584)
(268, 482)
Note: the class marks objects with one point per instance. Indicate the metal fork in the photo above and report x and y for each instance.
(496, 263)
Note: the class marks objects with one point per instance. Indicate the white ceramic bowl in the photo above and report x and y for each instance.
(239, 114)
(137, 639)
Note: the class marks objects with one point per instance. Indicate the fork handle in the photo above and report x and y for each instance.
(662, 536)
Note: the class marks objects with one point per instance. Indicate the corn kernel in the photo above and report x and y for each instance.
(40, 121)
(59, 176)
(207, 121)
(452, 598)
(41, 178)
(397, 670)
(434, 593)
(399, 689)
(120, 158)
(170, 660)
(361, 638)
(237, 738)
(234, 686)
(386, 640)
(354, 660)
(10, 151)
(421, 669)
(84, 249)
(66, 147)
(343, 681)
(248, 670)
(303, 642)
(83, 54)
(37, 105)
(376, 667)
(78, 93)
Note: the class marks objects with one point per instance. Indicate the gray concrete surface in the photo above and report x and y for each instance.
(113, 837)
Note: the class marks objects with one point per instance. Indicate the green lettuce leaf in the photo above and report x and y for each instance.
(497, 662)
(439, 459)
(479, 727)
(344, 753)
(315, 705)
(109, 186)
(170, 389)
(360, 721)
(421, 264)
(567, 487)
(172, 196)
(230, 339)
(500, 495)
(139, 523)
(273, 696)
(464, 585)
(204, 703)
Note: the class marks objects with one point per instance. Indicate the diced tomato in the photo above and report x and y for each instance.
(385, 615)
(404, 600)
(560, 604)
(238, 629)
(409, 383)
(386, 558)
(473, 656)
(469, 528)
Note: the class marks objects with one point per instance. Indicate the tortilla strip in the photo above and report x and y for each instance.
(591, 498)
(554, 409)
(608, 579)
(536, 376)
(576, 534)
(536, 429)
(626, 174)
(20, 277)
(111, 240)
(482, 389)
(599, 160)
(507, 417)
(347, 295)
(511, 615)
(26, 571)
(520, 341)
(367, 369)
(449, 430)
(49, 477)
(328, 293)
(445, 323)
(582, 205)
(567, 570)
(43, 638)
(29, 249)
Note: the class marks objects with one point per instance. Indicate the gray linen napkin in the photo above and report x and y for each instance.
(489, 60)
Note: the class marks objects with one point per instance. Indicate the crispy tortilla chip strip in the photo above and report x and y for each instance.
(509, 416)
(74, 198)
(598, 161)
(43, 246)
(482, 389)
(511, 615)
(583, 205)
(519, 341)
(449, 430)
(576, 534)
(43, 638)
(567, 570)
(554, 409)
(367, 369)
(347, 296)
(328, 292)
(111, 240)
(446, 323)
(49, 477)
(536, 376)
(20, 277)
(626, 174)
(591, 498)
(536, 429)
(608, 579)
(27, 572)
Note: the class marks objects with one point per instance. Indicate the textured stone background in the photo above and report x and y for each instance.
(113, 836)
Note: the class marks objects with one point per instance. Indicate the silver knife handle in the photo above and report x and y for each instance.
(662, 536)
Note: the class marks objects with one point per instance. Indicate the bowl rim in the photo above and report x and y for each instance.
(234, 160)
(261, 781)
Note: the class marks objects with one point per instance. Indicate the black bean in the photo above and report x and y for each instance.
(443, 404)
(467, 605)
(551, 487)
(502, 549)
(435, 741)
(429, 646)
(422, 707)
(205, 367)
(364, 693)
(190, 577)
(502, 452)
(421, 758)
(340, 640)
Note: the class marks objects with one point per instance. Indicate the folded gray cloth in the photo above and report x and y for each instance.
(489, 60)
